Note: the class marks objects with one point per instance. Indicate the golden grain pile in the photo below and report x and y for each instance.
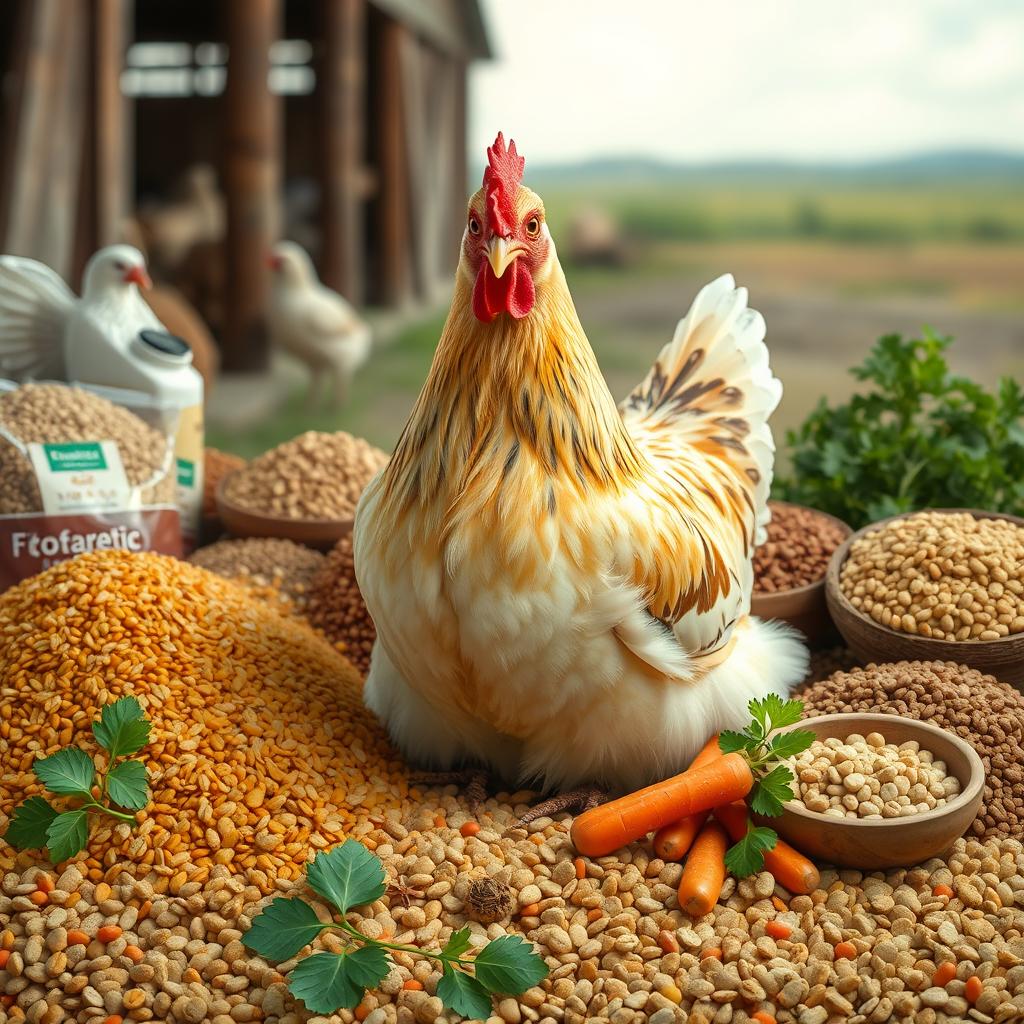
(261, 750)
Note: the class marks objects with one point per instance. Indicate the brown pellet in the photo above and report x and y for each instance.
(797, 550)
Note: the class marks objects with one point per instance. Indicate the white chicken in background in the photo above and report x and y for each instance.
(42, 320)
(315, 324)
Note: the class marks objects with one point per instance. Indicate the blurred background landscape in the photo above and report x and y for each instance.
(859, 169)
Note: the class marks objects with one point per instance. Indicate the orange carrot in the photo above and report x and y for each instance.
(580, 866)
(672, 841)
(972, 989)
(790, 868)
(778, 929)
(704, 873)
(607, 828)
(845, 951)
(944, 974)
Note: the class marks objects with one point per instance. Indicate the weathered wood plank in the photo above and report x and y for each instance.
(252, 178)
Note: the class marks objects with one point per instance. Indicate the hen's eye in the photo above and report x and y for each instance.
(532, 227)
(474, 226)
(120, 266)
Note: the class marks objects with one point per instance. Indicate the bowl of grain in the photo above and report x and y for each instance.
(304, 490)
(937, 585)
(790, 568)
(880, 791)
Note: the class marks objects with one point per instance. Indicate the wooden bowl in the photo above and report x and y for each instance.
(805, 607)
(322, 534)
(870, 844)
(871, 641)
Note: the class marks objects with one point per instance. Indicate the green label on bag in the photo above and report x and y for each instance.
(75, 458)
(186, 473)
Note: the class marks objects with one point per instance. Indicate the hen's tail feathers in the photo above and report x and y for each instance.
(712, 388)
(34, 307)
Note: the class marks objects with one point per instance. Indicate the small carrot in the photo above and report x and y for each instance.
(580, 866)
(790, 868)
(672, 841)
(778, 929)
(607, 828)
(972, 988)
(845, 951)
(704, 873)
(944, 974)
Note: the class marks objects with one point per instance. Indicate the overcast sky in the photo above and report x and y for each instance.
(710, 79)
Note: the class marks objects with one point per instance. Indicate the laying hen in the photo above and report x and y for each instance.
(561, 587)
(314, 324)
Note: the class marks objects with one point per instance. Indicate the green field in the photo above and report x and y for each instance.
(832, 267)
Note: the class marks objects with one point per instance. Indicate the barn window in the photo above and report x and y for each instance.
(180, 69)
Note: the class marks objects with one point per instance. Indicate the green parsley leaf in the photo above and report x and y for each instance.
(348, 876)
(69, 772)
(771, 791)
(367, 966)
(464, 994)
(283, 928)
(126, 784)
(67, 835)
(788, 744)
(458, 943)
(509, 965)
(323, 982)
(730, 742)
(775, 712)
(31, 819)
(122, 728)
(746, 857)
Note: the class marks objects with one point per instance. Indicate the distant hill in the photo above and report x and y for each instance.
(923, 168)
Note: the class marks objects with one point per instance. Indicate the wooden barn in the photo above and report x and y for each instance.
(338, 122)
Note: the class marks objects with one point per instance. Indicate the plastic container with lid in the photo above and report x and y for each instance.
(158, 364)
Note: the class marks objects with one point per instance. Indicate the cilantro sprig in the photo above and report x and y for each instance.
(121, 730)
(350, 876)
(773, 780)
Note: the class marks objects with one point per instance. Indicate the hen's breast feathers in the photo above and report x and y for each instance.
(522, 469)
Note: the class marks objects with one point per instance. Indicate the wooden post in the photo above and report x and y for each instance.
(341, 88)
(109, 46)
(393, 234)
(252, 178)
(460, 159)
(105, 170)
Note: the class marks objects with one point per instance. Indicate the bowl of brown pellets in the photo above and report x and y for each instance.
(879, 791)
(790, 567)
(305, 490)
(937, 585)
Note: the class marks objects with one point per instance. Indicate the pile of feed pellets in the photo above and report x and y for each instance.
(262, 753)
(264, 562)
(316, 475)
(797, 548)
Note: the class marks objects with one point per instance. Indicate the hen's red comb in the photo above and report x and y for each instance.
(504, 171)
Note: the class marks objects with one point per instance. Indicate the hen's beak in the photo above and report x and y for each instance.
(500, 253)
(137, 275)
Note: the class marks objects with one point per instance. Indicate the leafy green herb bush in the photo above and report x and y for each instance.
(916, 437)
(121, 730)
(350, 876)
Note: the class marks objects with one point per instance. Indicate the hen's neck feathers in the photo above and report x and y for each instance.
(508, 399)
